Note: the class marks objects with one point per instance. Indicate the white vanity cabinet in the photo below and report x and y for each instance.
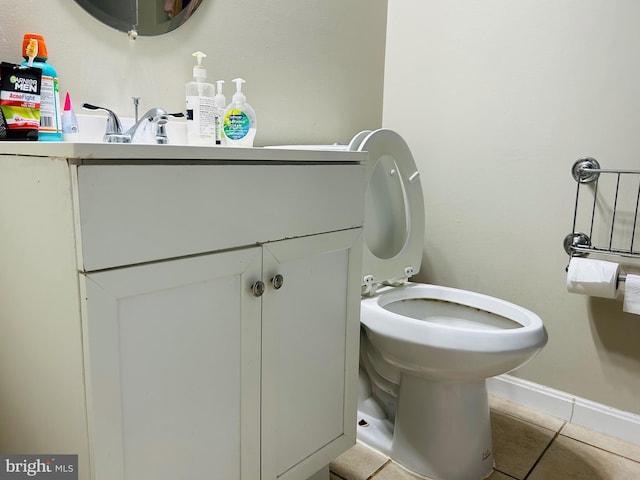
(173, 367)
(212, 327)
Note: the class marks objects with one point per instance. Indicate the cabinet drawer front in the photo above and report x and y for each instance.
(129, 214)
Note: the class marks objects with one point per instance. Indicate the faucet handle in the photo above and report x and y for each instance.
(114, 127)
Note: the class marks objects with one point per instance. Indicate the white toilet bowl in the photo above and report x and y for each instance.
(426, 350)
(445, 333)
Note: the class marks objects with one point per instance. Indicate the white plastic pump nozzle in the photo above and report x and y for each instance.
(198, 70)
(239, 97)
(220, 100)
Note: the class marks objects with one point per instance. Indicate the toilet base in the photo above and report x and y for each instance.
(442, 429)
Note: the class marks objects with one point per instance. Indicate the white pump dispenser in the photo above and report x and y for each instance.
(198, 70)
(239, 119)
(200, 106)
(220, 105)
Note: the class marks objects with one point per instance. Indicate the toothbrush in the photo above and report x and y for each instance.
(32, 50)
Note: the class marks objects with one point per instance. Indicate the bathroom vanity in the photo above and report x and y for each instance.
(180, 312)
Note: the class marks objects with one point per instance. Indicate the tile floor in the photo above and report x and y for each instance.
(527, 444)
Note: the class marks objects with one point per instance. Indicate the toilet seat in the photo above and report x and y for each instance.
(394, 212)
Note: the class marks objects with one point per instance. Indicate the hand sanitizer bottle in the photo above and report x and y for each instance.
(200, 106)
(239, 120)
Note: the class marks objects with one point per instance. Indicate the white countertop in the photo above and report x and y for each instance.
(79, 153)
(91, 149)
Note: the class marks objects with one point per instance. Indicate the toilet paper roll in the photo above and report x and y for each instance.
(631, 302)
(596, 278)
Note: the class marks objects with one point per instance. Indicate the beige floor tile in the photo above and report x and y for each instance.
(525, 413)
(570, 459)
(358, 463)
(517, 444)
(600, 440)
(393, 471)
(496, 475)
(520, 437)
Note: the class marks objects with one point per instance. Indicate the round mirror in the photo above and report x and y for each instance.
(146, 17)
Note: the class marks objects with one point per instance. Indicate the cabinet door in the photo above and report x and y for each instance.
(173, 368)
(310, 352)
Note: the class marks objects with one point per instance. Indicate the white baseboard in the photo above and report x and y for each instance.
(576, 410)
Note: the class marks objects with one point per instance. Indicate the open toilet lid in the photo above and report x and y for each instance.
(394, 210)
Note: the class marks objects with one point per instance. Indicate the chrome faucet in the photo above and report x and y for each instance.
(155, 118)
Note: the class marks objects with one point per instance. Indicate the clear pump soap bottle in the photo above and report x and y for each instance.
(200, 106)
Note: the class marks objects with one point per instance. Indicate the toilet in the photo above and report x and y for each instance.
(426, 350)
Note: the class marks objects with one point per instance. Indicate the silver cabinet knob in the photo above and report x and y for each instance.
(277, 281)
(257, 288)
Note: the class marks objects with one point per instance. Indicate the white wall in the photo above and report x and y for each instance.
(497, 99)
(314, 69)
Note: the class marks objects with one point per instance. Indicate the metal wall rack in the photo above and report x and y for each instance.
(615, 224)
